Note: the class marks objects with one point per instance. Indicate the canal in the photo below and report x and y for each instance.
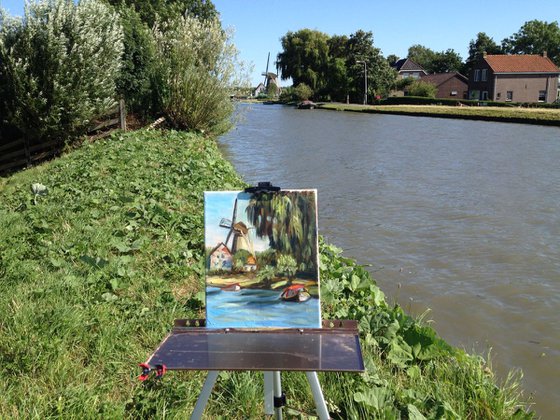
(458, 218)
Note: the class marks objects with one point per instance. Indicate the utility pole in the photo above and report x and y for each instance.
(365, 79)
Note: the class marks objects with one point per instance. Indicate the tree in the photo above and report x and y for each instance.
(421, 88)
(435, 62)
(422, 56)
(151, 11)
(58, 68)
(446, 61)
(196, 70)
(288, 220)
(138, 64)
(305, 58)
(482, 44)
(535, 37)
(392, 59)
(380, 75)
(302, 92)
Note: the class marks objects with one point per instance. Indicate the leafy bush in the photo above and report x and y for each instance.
(303, 92)
(421, 88)
(196, 70)
(58, 66)
(138, 61)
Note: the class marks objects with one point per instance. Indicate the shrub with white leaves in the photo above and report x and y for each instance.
(58, 66)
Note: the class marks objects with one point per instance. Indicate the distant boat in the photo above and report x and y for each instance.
(295, 293)
(235, 287)
(307, 105)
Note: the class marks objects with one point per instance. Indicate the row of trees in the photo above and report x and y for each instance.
(64, 64)
(332, 65)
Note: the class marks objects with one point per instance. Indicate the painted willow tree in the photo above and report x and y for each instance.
(288, 219)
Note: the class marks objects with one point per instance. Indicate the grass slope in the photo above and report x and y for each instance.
(93, 273)
(540, 116)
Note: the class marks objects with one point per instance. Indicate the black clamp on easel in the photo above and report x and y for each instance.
(262, 188)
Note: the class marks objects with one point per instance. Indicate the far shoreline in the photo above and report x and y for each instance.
(533, 116)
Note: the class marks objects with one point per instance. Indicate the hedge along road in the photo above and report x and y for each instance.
(456, 216)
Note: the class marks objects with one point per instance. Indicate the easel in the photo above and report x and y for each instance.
(334, 347)
(191, 346)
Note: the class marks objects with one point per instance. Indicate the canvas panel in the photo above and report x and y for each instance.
(262, 265)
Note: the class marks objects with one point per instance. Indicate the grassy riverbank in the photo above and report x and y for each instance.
(94, 271)
(540, 116)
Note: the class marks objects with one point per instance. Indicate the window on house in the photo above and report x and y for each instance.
(476, 75)
(474, 94)
(484, 76)
(509, 95)
(485, 95)
(453, 93)
(498, 95)
(542, 95)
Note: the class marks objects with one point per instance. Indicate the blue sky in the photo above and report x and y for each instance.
(396, 25)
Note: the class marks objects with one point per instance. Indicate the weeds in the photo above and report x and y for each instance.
(94, 270)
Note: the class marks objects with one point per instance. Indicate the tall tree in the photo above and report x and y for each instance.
(483, 43)
(305, 58)
(535, 37)
(380, 76)
(435, 62)
(288, 220)
(164, 10)
(446, 61)
(421, 55)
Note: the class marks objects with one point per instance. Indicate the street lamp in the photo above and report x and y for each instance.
(365, 79)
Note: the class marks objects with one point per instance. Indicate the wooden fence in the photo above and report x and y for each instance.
(21, 152)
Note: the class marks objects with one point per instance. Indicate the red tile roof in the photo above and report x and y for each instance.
(521, 64)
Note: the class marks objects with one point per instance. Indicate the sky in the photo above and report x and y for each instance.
(396, 25)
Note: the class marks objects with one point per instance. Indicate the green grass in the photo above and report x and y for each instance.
(517, 115)
(94, 272)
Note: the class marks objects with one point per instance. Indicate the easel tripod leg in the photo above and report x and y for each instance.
(317, 395)
(277, 394)
(204, 394)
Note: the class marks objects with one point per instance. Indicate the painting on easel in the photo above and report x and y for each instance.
(262, 267)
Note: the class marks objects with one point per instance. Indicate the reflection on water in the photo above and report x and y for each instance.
(457, 216)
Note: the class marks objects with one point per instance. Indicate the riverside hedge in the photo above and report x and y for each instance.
(101, 249)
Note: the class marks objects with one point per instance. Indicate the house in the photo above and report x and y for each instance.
(514, 78)
(450, 85)
(408, 68)
(259, 89)
(221, 258)
(251, 264)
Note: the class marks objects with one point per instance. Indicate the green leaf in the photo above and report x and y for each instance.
(414, 413)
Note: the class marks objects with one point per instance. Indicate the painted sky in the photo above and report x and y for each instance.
(396, 25)
(218, 205)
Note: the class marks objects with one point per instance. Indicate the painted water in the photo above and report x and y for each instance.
(457, 217)
(259, 307)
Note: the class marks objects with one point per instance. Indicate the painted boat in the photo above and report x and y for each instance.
(307, 105)
(235, 287)
(295, 293)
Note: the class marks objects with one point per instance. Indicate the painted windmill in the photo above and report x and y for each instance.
(238, 233)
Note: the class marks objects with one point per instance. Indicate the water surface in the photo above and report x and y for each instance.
(458, 217)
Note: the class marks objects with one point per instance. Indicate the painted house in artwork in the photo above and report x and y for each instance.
(251, 264)
(221, 258)
(514, 78)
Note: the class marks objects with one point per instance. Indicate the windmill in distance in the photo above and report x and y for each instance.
(269, 77)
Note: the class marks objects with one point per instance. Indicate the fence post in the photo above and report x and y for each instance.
(26, 149)
(122, 114)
